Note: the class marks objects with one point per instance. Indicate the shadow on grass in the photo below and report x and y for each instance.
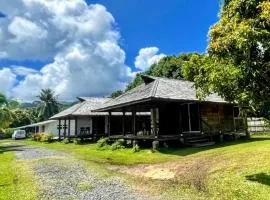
(262, 178)
(9, 148)
(192, 150)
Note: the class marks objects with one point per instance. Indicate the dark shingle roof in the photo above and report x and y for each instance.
(84, 108)
(159, 88)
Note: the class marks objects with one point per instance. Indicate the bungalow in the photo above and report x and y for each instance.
(49, 126)
(176, 112)
(80, 120)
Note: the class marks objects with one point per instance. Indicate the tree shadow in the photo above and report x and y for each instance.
(192, 150)
(262, 178)
(9, 148)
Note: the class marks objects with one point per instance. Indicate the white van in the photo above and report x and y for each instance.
(19, 134)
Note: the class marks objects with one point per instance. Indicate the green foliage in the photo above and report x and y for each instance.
(118, 144)
(135, 149)
(21, 117)
(66, 141)
(37, 137)
(43, 137)
(5, 117)
(8, 132)
(102, 142)
(49, 104)
(237, 66)
(116, 93)
(168, 67)
(76, 141)
(47, 137)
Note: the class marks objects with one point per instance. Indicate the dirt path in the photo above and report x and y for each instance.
(61, 176)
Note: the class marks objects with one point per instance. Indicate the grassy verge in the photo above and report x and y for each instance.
(232, 170)
(16, 178)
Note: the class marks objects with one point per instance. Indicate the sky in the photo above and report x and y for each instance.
(93, 47)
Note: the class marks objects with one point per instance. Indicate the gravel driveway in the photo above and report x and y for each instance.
(61, 176)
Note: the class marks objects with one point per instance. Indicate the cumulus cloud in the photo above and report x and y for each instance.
(7, 80)
(22, 71)
(147, 57)
(81, 40)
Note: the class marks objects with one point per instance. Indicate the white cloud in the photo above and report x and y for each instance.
(7, 80)
(80, 39)
(147, 57)
(22, 71)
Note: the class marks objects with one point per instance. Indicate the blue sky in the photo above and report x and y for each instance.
(174, 26)
(74, 46)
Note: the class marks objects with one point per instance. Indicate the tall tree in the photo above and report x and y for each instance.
(168, 67)
(49, 104)
(237, 66)
(5, 114)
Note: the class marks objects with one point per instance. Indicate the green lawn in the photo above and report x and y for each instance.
(16, 179)
(232, 170)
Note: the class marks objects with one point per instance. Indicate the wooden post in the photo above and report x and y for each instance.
(234, 125)
(109, 123)
(154, 122)
(65, 128)
(123, 123)
(76, 126)
(199, 116)
(68, 127)
(189, 120)
(219, 123)
(134, 122)
(180, 120)
(59, 129)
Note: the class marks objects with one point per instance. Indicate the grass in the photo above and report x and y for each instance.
(232, 170)
(90, 152)
(16, 178)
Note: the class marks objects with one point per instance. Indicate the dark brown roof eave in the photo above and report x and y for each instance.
(109, 108)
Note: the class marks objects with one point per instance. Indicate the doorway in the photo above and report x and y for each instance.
(190, 115)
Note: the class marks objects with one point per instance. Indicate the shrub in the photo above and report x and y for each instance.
(77, 141)
(136, 148)
(8, 132)
(102, 142)
(47, 137)
(37, 137)
(118, 144)
(66, 141)
(30, 135)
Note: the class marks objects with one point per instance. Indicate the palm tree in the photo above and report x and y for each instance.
(49, 104)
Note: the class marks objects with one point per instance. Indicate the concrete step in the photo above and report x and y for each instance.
(205, 144)
(198, 140)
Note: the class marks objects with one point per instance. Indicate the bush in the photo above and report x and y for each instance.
(66, 141)
(37, 137)
(118, 144)
(47, 137)
(136, 148)
(30, 135)
(8, 132)
(77, 141)
(102, 142)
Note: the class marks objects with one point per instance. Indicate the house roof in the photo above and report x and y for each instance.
(156, 88)
(84, 108)
(37, 124)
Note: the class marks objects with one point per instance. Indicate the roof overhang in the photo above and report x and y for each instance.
(123, 106)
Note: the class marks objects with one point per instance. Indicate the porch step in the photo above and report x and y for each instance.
(198, 141)
(205, 144)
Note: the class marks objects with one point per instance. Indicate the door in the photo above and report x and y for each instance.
(190, 117)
